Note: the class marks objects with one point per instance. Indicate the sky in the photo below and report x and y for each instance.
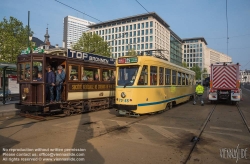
(187, 18)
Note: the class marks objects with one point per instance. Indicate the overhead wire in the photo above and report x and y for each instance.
(142, 5)
(227, 27)
(78, 10)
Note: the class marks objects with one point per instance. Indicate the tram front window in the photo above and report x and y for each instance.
(127, 75)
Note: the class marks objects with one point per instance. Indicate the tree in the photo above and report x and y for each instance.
(197, 71)
(184, 64)
(92, 43)
(13, 39)
(131, 52)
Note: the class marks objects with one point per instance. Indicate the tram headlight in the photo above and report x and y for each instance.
(24, 96)
(123, 95)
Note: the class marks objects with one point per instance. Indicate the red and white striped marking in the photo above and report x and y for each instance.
(224, 77)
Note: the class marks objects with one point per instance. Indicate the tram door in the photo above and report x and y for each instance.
(54, 63)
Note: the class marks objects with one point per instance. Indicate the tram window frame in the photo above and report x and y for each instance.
(187, 77)
(161, 76)
(70, 74)
(167, 76)
(91, 72)
(174, 77)
(178, 78)
(153, 75)
(183, 78)
(38, 71)
(109, 74)
(23, 71)
(143, 78)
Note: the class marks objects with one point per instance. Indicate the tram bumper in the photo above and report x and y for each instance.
(28, 108)
(126, 107)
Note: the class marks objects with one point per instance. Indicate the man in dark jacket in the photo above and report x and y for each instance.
(60, 76)
(50, 83)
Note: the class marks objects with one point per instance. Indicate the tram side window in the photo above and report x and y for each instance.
(179, 78)
(92, 74)
(73, 72)
(187, 77)
(161, 75)
(183, 78)
(191, 79)
(153, 75)
(108, 75)
(143, 79)
(24, 71)
(168, 76)
(37, 73)
(173, 77)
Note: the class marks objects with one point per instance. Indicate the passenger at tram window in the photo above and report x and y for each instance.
(27, 75)
(141, 81)
(96, 77)
(112, 78)
(75, 77)
(39, 77)
(84, 77)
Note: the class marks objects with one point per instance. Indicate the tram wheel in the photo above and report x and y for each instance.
(169, 106)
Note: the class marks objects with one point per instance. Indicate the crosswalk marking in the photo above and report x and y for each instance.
(228, 129)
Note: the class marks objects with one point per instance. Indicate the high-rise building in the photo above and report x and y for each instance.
(196, 52)
(72, 30)
(140, 33)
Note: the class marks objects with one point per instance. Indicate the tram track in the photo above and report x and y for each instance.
(196, 139)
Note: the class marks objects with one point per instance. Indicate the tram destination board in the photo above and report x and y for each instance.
(90, 57)
(127, 60)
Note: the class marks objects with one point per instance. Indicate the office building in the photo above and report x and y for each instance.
(142, 32)
(196, 52)
(72, 30)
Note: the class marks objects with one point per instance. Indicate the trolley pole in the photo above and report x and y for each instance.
(28, 29)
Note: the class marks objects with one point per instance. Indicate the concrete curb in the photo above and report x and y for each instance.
(8, 110)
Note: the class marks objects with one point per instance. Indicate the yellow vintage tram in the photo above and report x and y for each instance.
(148, 84)
(81, 92)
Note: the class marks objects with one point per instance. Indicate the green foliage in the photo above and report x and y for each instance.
(184, 64)
(13, 39)
(132, 52)
(198, 71)
(92, 43)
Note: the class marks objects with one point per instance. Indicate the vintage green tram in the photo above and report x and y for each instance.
(81, 92)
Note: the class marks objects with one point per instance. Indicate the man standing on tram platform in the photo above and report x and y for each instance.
(50, 83)
(199, 90)
(60, 76)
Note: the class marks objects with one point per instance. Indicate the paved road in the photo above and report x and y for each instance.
(161, 138)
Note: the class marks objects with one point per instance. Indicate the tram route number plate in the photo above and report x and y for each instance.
(123, 100)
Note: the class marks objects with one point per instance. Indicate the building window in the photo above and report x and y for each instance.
(134, 40)
(142, 25)
(138, 26)
(123, 28)
(146, 24)
(138, 33)
(122, 48)
(138, 40)
(116, 29)
(151, 23)
(134, 33)
(151, 38)
(130, 27)
(122, 41)
(112, 30)
(119, 29)
(142, 32)
(130, 34)
(151, 45)
(151, 31)
(142, 39)
(126, 41)
(146, 38)
(127, 28)
(134, 47)
(138, 47)
(146, 46)
(134, 26)
(142, 46)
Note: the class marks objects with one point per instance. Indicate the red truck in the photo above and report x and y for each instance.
(225, 82)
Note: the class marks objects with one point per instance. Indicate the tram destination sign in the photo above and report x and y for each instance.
(127, 60)
(90, 57)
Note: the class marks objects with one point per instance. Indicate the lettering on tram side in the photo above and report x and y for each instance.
(79, 87)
